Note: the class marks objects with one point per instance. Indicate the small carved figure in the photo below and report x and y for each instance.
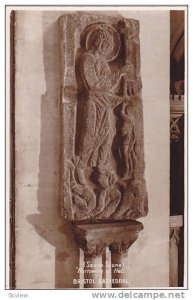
(83, 201)
(128, 151)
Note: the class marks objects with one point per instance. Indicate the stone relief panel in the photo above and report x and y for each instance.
(102, 158)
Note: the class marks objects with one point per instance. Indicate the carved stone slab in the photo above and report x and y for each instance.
(102, 159)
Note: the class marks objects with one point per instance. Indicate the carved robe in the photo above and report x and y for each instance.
(96, 130)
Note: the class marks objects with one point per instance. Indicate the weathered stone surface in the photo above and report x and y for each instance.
(102, 159)
(119, 236)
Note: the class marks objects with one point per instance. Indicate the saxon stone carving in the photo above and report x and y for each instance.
(102, 160)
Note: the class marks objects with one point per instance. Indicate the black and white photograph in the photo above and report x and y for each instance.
(96, 179)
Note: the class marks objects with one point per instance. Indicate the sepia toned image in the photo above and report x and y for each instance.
(96, 143)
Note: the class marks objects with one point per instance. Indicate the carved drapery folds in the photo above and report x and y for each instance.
(102, 159)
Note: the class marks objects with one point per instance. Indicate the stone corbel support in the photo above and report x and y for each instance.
(119, 250)
(93, 239)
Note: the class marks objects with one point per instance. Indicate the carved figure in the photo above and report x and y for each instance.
(96, 108)
(102, 163)
(128, 151)
(108, 194)
(83, 201)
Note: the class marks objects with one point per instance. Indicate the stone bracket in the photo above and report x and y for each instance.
(118, 236)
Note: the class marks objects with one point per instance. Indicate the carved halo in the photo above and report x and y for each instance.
(89, 34)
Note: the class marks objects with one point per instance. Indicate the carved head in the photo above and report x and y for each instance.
(101, 38)
(106, 178)
(102, 42)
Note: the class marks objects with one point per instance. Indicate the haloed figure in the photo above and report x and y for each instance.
(96, 104)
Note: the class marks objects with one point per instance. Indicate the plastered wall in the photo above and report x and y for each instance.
(46, 254)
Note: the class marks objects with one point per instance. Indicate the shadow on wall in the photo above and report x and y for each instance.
(48, 224)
